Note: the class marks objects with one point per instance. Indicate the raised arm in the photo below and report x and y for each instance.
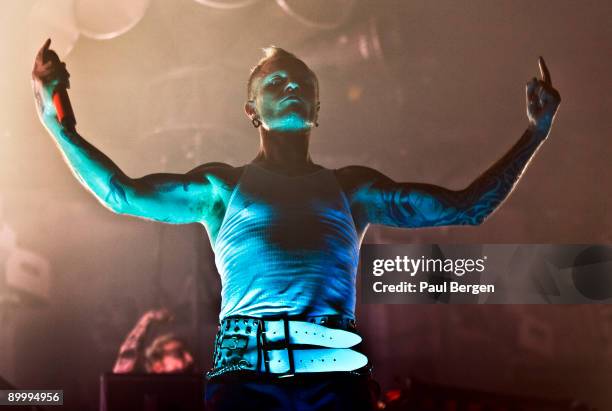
(377, 199)
(171, 198)
(130, 351)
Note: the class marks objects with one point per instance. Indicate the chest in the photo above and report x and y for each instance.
(281, 209)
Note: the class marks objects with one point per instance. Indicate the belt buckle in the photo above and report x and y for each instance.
(235, 342)
(280, 345)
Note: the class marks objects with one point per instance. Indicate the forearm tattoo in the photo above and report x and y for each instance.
(489, 190)
(116, 193)
(422, 205)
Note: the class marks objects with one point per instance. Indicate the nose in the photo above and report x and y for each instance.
(291, 86)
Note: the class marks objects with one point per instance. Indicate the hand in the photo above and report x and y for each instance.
(542, 100)
(47, 74)
(48, 69)
(160, 315)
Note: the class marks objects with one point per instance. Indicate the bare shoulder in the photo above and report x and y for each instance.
(212, 167)
(218, 173)
(355, 178)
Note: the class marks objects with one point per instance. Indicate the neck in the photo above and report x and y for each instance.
(284, 151)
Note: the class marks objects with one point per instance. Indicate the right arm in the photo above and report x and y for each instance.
(171, 198)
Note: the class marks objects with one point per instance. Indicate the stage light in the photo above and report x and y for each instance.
(320, 14)
(103, 20)
(226, 4)
(378, 40)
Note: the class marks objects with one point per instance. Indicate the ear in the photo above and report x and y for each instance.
(249, 109)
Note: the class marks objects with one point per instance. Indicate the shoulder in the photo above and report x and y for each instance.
(358, 178)
(218, 173)
(213, 167)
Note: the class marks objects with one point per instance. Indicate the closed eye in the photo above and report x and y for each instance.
(274, 81)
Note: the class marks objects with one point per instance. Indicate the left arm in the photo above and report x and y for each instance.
(379, 200)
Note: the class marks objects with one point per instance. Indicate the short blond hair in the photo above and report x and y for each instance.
(274, 53)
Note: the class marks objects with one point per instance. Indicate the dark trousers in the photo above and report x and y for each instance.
(327, 392)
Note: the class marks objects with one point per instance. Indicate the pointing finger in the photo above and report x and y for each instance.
(42, 49)
(40, 56)
(544, 72)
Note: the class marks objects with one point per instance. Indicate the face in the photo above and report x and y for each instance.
(176, 359)
(285, 96)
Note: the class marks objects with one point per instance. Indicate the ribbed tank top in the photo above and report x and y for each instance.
(287, 246)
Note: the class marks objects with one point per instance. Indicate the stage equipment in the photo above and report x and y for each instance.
(193, 115)
(378, 40)
(419, 396)
(144, 392)
(103, 20)
(190, 97)
(320, 14)
(227, 4)
(52, 19)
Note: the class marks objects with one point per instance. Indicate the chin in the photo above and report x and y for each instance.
(290, 124)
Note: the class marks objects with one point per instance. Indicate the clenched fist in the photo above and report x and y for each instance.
(542, 100)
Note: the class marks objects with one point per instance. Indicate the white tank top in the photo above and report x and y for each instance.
(287, 246)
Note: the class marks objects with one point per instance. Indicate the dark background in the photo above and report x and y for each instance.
(428, 91)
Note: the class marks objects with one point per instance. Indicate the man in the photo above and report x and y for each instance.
(286, 232)
(167, 353)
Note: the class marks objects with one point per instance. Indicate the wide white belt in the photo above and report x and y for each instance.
(315, 360)
(336, 356)
(303, 332)
(283, 347)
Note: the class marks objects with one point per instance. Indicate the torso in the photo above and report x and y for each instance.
(279, 238)
(225, 177)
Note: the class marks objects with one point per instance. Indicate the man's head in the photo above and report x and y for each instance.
(167, 354)
(283, 93)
